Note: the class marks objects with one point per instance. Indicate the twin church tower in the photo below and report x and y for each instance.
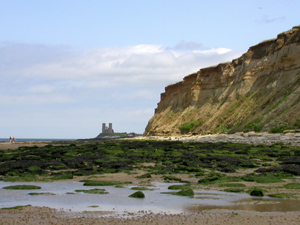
(107, 130)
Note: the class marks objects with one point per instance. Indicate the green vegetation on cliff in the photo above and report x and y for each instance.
(190, 126)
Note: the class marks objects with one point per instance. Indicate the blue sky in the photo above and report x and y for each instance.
(67, 66)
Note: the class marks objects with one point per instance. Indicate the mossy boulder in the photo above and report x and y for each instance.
(137, 194)
(93, 191)
(292, 186)
(178, 187)
(43, 193)
(185, 192)
(19, 207)
(147, 175)
(211, 177)
(103, 183)
(141, 189)
(257, 193)
(22, 187)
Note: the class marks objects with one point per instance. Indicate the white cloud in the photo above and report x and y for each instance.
(214, 51)
(140, 112)
(99, 84)
(132, 64)
(144, 94)
(121, 85)
(29, 100)
(134, 95)
(40, 89)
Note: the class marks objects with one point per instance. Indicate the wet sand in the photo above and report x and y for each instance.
(206, 215)
(16, 145)
(35, 215)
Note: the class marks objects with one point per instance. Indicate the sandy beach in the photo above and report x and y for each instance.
(16, 145)
(35, 215)
(45, 215)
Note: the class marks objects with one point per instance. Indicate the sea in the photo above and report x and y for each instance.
(34, 139)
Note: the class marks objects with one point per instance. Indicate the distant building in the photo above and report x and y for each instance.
(107, 130)
(108, 133)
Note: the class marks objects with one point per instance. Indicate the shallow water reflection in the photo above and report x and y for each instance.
(118, 201)
(276, 205)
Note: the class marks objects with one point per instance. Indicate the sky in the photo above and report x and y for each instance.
(67, 66)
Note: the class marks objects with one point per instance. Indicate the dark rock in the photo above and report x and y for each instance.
(257, 193)
(137, 194)
(228, 169)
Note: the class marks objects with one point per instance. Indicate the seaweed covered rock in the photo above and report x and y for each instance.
(257, 193)
(186, 192)
(137, 194)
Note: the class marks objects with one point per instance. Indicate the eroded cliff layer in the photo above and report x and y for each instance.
(258, 91)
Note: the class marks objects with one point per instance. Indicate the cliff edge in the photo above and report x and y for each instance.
(259, 91)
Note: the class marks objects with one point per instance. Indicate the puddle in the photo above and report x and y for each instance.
(118, 201)
(275, 205)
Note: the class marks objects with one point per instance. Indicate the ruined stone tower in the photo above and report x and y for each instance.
(107, 130)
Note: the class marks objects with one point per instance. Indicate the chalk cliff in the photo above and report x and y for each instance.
(258, 91)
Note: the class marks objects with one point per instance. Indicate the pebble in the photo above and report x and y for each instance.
(287, 138)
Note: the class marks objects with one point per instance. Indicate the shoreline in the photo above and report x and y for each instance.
(16, 145)
(290, 137)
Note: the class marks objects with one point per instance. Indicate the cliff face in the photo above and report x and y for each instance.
(258, 91)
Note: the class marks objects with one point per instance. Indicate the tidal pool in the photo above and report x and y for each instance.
(118, 201)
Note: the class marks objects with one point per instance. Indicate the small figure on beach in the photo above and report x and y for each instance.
(10, 139)
(13, 140)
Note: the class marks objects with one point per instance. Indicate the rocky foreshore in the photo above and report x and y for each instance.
(289, 137)
(244, 215)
